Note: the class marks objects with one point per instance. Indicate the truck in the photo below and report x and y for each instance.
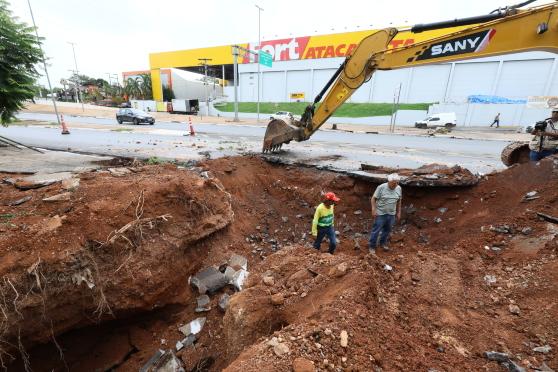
(444, 119)
(185, 106)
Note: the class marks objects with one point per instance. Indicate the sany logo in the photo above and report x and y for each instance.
(473, 43)
(280, 50)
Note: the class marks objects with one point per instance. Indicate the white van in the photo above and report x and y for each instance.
(447, 119)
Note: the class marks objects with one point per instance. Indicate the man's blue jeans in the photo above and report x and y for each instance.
(328, 231)
(382, 224)
(536, 156)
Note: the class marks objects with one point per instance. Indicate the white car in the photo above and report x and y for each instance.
(447, 120)
(282, 115)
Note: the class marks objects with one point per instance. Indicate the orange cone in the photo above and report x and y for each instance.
(192, 132)
(64, 127)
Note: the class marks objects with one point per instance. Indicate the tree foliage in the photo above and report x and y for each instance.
(19, 52)
(139, 87)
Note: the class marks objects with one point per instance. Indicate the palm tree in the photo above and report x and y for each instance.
(132, 88)
(144, 81)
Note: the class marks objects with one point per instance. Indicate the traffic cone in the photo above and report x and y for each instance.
(64, 127)
(192, 132)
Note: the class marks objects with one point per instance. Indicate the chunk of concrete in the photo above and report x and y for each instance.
(203, 304)
(65, 196)
(119, 172)
(237, 262)
(208, 280)
(70, 184)
(496, 356)
(20, 201)
(224, 302)
(187, 341)
(193, 328)
(41, 180)
(163, 361)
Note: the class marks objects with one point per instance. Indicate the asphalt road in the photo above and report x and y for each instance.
(332, 148)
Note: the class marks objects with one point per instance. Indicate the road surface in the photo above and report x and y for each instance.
(326, 148)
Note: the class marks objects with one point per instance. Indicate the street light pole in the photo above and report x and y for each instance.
(204, 64)
(259, 49)
(44, 62)
(77, 74)
(235, 82)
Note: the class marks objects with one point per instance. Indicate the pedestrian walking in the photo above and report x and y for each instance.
(496, 121)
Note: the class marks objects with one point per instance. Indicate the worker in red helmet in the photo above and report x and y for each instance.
(322, 225)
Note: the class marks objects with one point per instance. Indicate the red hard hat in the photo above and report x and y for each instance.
(331, 196)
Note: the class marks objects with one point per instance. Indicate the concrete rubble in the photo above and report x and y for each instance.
(203, 304)
(191, 331)
(224, 302)
(163, 361)
(212, 279)
(208, 280)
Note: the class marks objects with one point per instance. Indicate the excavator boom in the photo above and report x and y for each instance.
(504, 31)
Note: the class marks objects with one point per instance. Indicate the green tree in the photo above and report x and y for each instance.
(19, 52)
(146, 86)
(168, 94)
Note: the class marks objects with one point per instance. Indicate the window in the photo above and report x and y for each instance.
(434, 119)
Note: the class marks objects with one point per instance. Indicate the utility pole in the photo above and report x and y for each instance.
(235, 51)
(77, 72)
(235, 82)
(44, 63)
(258, 60)
(204, 64)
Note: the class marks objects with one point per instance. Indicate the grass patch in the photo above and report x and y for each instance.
(155, 160)
(350, 110)
(7, 216)
(122, 130)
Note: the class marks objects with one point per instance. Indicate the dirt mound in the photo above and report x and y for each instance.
(471, 270)
(115, 246)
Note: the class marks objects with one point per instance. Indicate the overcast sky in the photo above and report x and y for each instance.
(118, 35)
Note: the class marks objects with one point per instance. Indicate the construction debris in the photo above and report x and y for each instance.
(163, 361)
(203, 302)
(208, 280)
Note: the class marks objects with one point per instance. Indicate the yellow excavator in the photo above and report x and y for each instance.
(505, 30)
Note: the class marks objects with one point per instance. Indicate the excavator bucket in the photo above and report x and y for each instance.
(278, 132)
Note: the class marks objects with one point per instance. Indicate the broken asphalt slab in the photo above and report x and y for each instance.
(31, 162)
(426, 176)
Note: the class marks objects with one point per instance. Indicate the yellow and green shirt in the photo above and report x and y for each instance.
(323, 217)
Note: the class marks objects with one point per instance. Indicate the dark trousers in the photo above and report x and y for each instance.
(497, 122)
(536, 156)
(382, 224)
(328, 231)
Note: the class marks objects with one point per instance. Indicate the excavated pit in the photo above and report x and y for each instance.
(433, 309)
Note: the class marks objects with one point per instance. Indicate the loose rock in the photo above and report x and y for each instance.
(514, 309)
(281, 349)
(344, 339)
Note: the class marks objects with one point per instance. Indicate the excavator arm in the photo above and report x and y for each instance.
(504, 31)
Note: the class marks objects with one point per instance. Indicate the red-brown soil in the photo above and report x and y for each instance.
(433, 310)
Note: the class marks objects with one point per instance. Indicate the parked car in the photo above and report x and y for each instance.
(447, 119)
(283, 115)
(134, 115)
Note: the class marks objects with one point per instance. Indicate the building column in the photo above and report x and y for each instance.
(551, 77)
(497, 79)
(156, 85)
(449, 82)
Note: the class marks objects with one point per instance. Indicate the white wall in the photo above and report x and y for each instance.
(513, 76)
(478, 114)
